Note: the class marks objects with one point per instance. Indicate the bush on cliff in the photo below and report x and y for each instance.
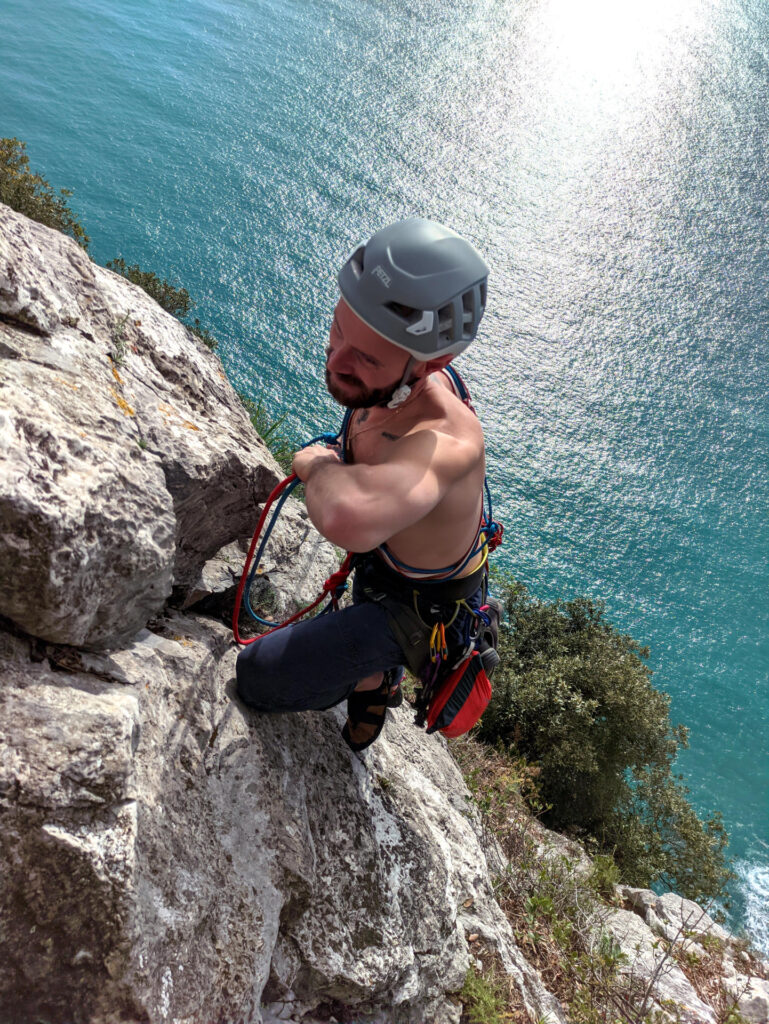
(269, 428)
(32, 195)
(173, 300)
(574, 695)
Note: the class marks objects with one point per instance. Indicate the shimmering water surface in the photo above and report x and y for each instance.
(610, 160)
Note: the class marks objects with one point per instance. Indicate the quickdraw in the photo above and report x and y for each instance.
(439, 650)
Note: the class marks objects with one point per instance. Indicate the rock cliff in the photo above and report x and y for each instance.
(168, 856)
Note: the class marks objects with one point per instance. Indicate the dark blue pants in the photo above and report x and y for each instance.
(315, 664)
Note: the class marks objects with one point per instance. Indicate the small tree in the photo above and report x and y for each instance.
(32, 195)
(574, 695)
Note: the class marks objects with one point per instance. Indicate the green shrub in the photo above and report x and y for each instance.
(175, 301)
(32, 195)
(604, 875)
(662, 840)
(574, 695)
(269, 429)
(204, 334)
(482, 998)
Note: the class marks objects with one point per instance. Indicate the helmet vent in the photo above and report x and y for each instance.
(445, 319)
(356, 260)
(404, 312)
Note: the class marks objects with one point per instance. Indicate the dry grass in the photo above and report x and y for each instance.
(504, 1003)
(704, 966)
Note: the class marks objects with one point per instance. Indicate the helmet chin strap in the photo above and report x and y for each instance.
(403, 390)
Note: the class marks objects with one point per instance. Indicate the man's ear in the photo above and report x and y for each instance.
(432, 365)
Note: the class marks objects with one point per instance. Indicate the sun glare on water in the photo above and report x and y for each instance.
(609, 44)
(618, 62)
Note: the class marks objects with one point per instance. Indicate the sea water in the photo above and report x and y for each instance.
(609, 160)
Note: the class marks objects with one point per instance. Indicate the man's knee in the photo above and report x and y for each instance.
(315, 664)
(275, 685)
(255, 686)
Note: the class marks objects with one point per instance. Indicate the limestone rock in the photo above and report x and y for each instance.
(646, 960)
(126, 459)
(294, 566)
(218, 578)
(553, 847)
(87, 538)
(751, 996)
(171, 856)
(672, 916)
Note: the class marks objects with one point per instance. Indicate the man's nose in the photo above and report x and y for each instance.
(339, 359)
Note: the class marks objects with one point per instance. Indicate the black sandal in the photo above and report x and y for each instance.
(366, 713)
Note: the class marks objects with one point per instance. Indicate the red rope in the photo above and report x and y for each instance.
(496, 538)
(335, 580)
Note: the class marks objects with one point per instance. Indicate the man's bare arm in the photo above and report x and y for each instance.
(361, 506)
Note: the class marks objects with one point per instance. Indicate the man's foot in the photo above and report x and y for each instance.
(366, 713)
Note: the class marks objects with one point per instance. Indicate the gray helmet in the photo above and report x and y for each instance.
(419, 285)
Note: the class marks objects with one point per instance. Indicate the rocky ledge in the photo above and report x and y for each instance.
(168, 856)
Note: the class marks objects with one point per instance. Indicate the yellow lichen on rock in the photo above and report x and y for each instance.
(122, 404)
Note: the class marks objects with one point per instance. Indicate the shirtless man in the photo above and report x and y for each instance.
(405, 490)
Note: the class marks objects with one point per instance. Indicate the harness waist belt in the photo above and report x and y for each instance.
(402, 588)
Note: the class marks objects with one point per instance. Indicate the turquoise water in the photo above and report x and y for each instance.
(611, 163)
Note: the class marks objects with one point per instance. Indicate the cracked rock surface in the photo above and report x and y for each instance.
(126, 458)
(171, 856)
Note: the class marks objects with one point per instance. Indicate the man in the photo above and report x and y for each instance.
(404, 489)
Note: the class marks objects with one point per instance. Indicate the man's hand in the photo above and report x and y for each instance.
(307, 459)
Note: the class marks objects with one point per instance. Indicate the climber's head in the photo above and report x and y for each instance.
(412, 299)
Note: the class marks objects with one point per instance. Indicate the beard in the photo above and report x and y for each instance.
(353, 394)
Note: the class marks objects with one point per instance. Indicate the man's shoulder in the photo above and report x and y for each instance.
(456, 420)
(451, 445)
(444, 430)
